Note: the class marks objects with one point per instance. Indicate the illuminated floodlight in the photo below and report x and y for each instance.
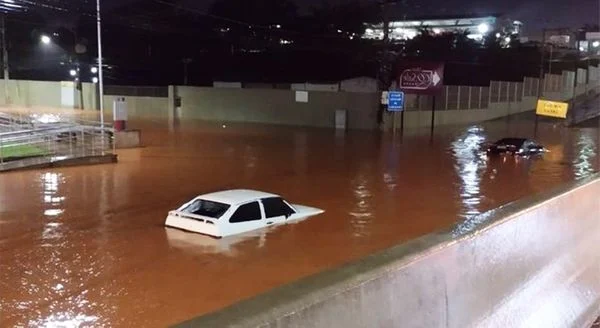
(95, 79)
(45, 39)
(94, 69)
(73, 72)
(483, 28)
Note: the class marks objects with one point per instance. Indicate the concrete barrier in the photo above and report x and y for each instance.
(533, 263)
(128, 139)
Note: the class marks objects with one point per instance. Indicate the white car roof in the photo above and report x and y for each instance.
(236, 196)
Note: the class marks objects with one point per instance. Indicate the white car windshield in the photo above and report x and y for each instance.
(206, 208)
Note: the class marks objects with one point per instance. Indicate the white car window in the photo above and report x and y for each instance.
(206, 208)
(247, 212)
(275, 207)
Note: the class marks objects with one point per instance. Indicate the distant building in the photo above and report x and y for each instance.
(475, 26)
(591, 44)
(560, 37)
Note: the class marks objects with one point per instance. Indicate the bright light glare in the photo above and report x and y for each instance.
(94, 69)
(596, 44)
(498, 35)
(95, 79)
(507, 39)
(73, 72)
(45, 39)
(483, 28)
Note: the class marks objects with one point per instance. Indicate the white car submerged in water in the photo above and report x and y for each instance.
(232, 212)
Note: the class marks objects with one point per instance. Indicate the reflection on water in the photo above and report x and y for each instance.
(586, 147)
(361, 213)
(229, 246)
(53, 204)
(65, 320)
(471, 164)
(391, 173)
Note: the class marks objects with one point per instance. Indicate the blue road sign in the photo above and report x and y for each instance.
(396, 101)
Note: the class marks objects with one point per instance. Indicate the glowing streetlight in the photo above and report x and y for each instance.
(73, 72)
(95, 80)
(45, 39)
(507, 39)
(483, 28)
(94, 69)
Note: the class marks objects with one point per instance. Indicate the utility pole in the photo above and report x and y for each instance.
(383, 74)
(541, 83)
(186, 62)
(5, 60)
(542, 59)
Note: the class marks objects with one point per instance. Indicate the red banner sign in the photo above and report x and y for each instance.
(421, 77)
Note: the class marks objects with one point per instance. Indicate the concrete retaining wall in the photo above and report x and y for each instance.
(533, 263)
(277, 106)
(145, 107)
(280, 106)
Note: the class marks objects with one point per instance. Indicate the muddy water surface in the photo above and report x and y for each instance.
(85, 246)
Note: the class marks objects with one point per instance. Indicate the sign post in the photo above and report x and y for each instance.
(396, 104)
(549, 109)
(422, 78)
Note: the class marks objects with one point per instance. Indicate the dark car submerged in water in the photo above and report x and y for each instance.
(516, 146)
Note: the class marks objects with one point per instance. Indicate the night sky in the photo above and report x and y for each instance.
(534, 13)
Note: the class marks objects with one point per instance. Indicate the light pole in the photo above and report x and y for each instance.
(5, 61)
(100, 69)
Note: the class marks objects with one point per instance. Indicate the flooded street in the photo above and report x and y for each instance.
(86, 246)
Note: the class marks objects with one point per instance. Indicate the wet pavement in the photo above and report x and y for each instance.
(85, 246)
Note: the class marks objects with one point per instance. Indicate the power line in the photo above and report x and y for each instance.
(246, 24)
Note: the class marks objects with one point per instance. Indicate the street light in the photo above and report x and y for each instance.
(94, 69)
(45, 39)
(95, 80)
(483, 28)
(73, 72)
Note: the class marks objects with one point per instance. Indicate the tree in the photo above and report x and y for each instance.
(590, 28)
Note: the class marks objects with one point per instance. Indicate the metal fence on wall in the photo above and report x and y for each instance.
(136, 91)
(455, 97)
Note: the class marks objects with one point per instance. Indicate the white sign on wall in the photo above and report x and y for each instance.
(302, 96)
(67, 94)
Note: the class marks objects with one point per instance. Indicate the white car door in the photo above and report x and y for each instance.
(276, 210)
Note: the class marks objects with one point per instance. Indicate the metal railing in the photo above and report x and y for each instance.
(11, 122)
(62, 141)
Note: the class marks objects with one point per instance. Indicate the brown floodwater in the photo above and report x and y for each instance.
(86, 246)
